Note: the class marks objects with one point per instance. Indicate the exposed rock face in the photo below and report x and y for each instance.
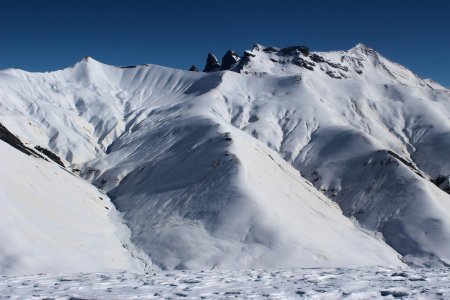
(304, 63)
(212, 65)
(193, 68)
(14, 141)
(443, 182)
(50, 155)
(233, 62)
(244, 61)
(319, 59)
(292, 50)
(11, 139)
(248, 54)
(316, 58)
(229, 59)
(271, 50)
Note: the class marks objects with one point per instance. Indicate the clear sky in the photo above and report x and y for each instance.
(43, 35)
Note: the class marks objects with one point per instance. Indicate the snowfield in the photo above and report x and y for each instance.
(361, 283)
(286, 159)
(51, 220)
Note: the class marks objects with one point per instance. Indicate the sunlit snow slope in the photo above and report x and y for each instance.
(209, 169)
(52, 221)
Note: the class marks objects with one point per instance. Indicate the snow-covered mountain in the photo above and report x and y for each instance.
(280, 158)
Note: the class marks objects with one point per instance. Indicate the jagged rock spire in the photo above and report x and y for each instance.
(229, 59)
(193, 68)
(212, 64)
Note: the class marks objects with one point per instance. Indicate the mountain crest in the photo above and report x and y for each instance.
(212, 63)
(362, 48)
(227, 170)
(229, 59)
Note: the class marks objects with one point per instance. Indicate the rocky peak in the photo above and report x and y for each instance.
(229, 59)
(212, 64)
(258, 47)
(193, 68)
(363, 49)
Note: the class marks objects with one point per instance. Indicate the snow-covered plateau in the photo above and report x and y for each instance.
(279, 159)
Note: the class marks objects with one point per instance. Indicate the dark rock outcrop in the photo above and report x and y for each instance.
(304, 63)
(50, 155)
(443, 182)
(229, 59)
(333, 74)
(294, 49)
(271, 50)
(11, 139)
(212, 65)
(242, 63)
(316, 58)
(193, 68)
(257, 47)
(409, 164)
(248, 54)
(337, 66)
(319, 59)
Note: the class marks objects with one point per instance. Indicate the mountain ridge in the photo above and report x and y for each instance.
(215, 170)
(359, 47)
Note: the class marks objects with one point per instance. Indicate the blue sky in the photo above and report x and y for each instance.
(48, 35)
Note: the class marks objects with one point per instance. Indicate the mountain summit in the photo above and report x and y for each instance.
(279, 157)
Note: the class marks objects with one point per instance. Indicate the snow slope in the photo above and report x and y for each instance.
(208, 169)
(221, 199)
(52, 221)
(371, 140)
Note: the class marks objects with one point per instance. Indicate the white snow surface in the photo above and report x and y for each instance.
(356, 283)
(211, 170)
(53, 221)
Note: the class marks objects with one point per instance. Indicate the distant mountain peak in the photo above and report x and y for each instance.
(193, 68)
(362, 48)
(212, 63)
(229, 59)
(87, 59)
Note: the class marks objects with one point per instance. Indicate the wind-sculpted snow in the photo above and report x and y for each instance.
(222, 193)
(208, 169)
(361, 283)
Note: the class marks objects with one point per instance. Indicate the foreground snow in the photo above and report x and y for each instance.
(362, 283)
